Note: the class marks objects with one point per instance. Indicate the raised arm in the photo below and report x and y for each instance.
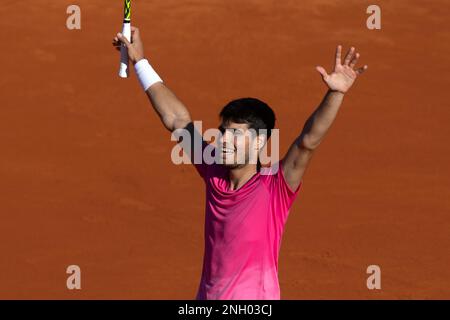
(172, 112)
(339, 82)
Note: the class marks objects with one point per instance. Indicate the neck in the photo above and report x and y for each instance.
(239, 176)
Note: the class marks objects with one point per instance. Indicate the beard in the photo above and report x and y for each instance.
(234, 165)
(231, 161)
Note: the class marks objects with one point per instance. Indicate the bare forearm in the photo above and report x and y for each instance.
(316, 127)
(321, 120)
(170, 109)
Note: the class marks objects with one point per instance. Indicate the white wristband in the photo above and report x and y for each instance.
(146, 74)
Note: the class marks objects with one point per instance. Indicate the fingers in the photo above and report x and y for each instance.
(349, 56)
(116, 43)
(322, 71)
(124, 40)
(338, 55)
(350, 60)
(354, 60)
(361, 70)
(135, 30)
(135, 34)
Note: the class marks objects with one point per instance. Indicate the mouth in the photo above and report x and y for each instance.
(227, 150)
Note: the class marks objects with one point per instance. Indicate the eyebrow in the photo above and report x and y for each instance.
(222, 128)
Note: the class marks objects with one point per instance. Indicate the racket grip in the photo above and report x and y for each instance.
(124, 67)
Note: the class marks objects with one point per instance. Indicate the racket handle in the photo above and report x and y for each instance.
(124, 67)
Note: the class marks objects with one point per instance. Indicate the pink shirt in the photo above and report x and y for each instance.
(243, 231)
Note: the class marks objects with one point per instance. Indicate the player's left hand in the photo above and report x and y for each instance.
(343, 75)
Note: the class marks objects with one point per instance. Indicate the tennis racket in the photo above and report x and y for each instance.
(126, 31)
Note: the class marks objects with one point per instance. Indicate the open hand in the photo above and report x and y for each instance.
(343, 75)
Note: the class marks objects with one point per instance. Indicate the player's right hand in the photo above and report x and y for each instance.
(135, 48)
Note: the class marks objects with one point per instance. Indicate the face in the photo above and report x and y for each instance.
(238, 144)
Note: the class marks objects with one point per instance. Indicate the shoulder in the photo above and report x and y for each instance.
(273, 177)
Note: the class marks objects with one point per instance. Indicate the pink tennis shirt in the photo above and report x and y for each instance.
(243, 231)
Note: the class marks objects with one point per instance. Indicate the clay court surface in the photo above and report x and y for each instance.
(85, 167)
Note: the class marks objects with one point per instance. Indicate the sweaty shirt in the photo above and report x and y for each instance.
(243, 231)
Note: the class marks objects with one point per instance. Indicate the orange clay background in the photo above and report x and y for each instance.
(86, 176)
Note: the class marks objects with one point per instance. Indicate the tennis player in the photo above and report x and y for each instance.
(246, 211)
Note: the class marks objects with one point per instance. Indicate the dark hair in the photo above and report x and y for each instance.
(257, 114)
